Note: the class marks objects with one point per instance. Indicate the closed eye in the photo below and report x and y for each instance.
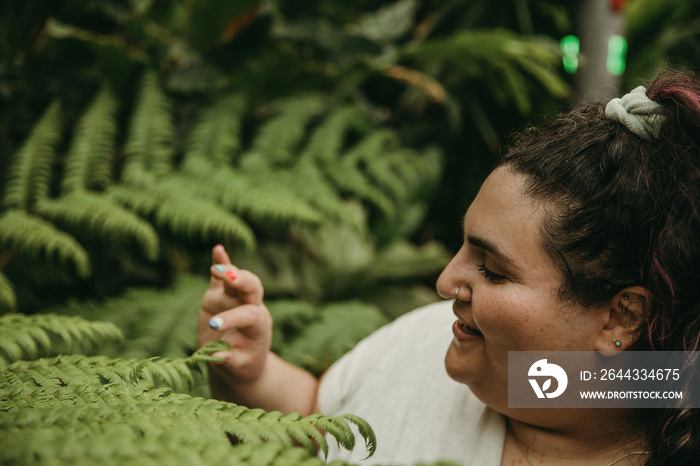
(490, 276)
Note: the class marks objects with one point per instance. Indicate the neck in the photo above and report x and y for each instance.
(600, 437)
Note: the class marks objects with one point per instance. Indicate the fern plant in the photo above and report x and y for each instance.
(81, 206)
(310, 335)
(28, 337)
(660, 34)
(86, 409)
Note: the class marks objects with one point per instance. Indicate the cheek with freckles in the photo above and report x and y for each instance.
(511, 325)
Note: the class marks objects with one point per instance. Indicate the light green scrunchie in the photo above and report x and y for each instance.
(638, 113)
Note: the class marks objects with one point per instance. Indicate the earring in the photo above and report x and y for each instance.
(618, 343)
(625, 297)
(624, 309)
(457, 294)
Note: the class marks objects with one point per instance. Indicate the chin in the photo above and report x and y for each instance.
(459, 366)
(469, 369)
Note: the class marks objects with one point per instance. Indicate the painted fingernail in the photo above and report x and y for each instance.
(220, 268)
(232, 275)
(216, 322)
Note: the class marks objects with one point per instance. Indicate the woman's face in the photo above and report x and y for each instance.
(508, 292)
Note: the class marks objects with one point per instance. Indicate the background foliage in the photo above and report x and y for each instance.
(662, 34)
(332, 148)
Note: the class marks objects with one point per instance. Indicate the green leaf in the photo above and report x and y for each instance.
(32, 166)
(101, 218)
(37, 239)
(88, 164)
(8, 299)
(149, 151)
(216, 136)
(31, 336)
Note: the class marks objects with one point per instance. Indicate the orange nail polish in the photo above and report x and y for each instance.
(232, 275)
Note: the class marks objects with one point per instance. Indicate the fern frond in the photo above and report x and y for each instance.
(279, 138)
(336, 427)
(29, 173)
(88, 161)
(257, 197)
(99, 398)
(309, 182)
(149, 151)
(34, 237)
(190, 216)
(93, 407)
(75, 376)
(330, 263)
(374, 151)
(327, 140)
(28, 337)
(402, 260)
(171, 207)
(409, 178)
(289, 317)
(365, 431)
(216, 136)
(139, 313)
(344, 172)
(349, 179)
(101, 218)
(306, 434)
(143, 433)
(419, 173)
(8, 299)
(506, 62)
(338, 329)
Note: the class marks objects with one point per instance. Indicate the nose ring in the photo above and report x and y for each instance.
(457, 294)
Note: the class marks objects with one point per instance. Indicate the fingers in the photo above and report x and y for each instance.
(219, 255)
(223, 355)
(244, 285)
(244, 318)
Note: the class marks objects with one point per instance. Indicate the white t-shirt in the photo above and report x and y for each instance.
(395, 379)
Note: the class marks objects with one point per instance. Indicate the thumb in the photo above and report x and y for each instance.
(220, 256)
(225, 355)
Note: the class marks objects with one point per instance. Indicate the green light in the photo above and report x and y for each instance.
(570, 48)
(617, 54)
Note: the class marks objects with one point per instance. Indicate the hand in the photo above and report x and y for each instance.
(233, 310)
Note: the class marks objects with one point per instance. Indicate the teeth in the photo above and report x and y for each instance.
(469, 329)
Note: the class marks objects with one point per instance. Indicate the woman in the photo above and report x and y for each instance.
(583, 238)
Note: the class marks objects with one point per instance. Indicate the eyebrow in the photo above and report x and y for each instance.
(488, 246)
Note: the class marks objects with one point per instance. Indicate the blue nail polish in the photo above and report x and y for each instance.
(220, 268)
(216, 322)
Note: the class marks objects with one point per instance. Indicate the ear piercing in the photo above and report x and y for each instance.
(618, 343)
(457, 294)
(625, 297)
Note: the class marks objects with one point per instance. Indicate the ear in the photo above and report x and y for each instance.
(622, 318)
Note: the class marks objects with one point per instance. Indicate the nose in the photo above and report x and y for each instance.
(453, 278)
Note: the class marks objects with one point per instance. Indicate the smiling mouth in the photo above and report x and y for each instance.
(470, 330)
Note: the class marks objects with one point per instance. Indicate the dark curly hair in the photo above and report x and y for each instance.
(626, 211)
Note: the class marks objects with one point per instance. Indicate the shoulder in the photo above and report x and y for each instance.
(420, 327)
(433, 317)
(419, 337)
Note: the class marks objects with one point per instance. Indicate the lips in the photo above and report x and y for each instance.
(464, 332)
(469, 329)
